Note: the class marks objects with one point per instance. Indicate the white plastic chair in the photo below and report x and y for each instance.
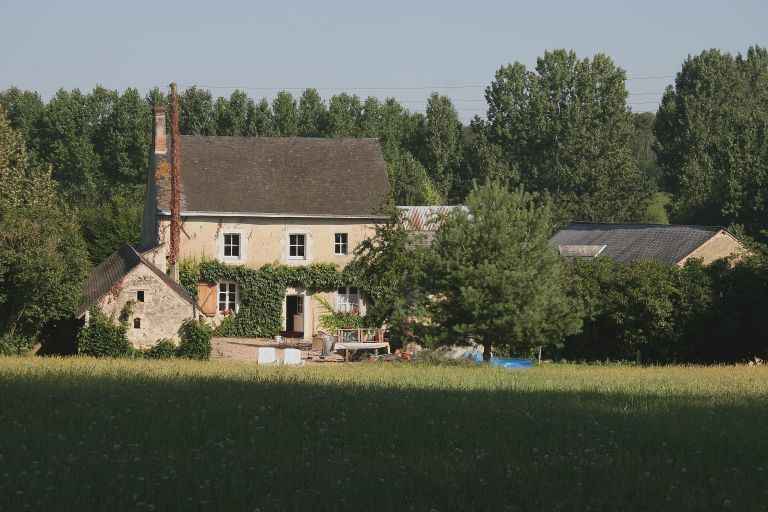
(292, 356)
(267, 355)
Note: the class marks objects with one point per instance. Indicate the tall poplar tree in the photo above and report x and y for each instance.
(712, 133)
(568, 130)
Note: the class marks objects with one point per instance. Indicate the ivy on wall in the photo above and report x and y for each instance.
(261, 291)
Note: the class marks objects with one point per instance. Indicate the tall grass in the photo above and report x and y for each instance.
(85, 434)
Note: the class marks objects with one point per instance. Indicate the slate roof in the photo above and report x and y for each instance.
(282, 176)
(634, 242)
(112, 270)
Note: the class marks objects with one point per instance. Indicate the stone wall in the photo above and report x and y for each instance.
(265, 240)
(161, 313)
(719, 246)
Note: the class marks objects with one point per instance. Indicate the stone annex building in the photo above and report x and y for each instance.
(244, 201)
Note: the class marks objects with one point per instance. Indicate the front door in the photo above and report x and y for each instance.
(294, 316)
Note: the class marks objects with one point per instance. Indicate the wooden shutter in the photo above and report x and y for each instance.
(207, 298)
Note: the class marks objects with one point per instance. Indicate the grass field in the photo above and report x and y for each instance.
(82, 434)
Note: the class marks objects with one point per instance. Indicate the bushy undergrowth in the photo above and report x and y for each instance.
(660, 313)
(13, 345)
(195, 340)
(102, 337)
(163, 349)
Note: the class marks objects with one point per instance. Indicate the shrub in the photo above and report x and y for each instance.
(195, 340)
(163, 349)
(334, 320)
(102, 337)
(14, 345)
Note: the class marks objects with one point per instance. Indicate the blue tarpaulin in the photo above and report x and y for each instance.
(506, 362)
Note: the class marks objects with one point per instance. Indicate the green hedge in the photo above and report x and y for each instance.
(195, 340)
(102, 337)
(261, 291)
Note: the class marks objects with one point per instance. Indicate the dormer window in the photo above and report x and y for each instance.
(232, 249)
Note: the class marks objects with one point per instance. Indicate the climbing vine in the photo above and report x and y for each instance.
(261, 290)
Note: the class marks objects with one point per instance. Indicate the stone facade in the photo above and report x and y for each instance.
(721, 245)
(158, 316)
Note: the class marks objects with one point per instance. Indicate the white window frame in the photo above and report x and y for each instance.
(226, 300)
(223, 245)
(344, 302)
(341, 245)
(306, 246)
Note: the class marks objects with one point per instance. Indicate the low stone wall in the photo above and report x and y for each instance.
(246, 349)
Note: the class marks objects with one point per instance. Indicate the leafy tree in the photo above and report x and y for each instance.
(567, 128)
(392, 263)
(285, 115)
(409, 181)
(232, 114)
(443, 143)
(122, 137)
(712, 131)
(66, 129)
(482, 161)
(643, 141)
(260, 120)
(370, 118)
(112, 223)
(494, 276)
(196, 112)
(42, 255)
(24, 110)
(344, 114)
(312, 114)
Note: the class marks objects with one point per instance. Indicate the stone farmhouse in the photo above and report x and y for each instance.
(244, 201)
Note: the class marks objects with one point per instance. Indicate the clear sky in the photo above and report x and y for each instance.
(403, 49)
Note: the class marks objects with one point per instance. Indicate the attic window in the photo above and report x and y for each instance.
(137, 323)
(232, 247)
(140, 296)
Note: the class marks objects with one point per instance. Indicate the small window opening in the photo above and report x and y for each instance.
(137, 323)
(140, 296)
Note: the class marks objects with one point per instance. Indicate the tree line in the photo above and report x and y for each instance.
(561, 129)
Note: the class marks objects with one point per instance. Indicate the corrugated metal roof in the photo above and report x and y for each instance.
(635, 242)
(426, 218)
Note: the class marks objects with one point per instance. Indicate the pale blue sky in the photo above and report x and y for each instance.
(376, 47)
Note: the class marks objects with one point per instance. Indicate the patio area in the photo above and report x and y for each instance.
(349, 342)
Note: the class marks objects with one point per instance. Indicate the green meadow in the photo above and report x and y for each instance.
(87, 434)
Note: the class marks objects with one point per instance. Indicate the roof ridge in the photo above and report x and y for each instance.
(646, 224)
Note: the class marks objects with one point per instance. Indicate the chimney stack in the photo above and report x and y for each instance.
(173, 254)
(161, 146)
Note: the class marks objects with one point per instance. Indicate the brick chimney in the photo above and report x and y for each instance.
(160, 143)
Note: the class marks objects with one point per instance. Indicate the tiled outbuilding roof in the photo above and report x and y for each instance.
(634, 242)
(112, 270)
